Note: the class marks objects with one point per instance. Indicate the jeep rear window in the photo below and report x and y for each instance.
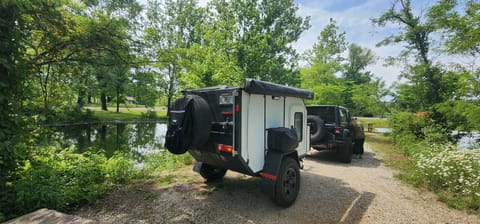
(327, 114)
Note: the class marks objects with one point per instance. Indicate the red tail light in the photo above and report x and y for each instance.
(225, 148)
(237, 108)
(338, 130)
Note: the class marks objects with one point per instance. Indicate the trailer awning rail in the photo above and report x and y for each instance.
(267, 88)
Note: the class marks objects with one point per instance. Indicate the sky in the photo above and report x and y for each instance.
(354, 18)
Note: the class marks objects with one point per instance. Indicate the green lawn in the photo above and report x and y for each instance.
(126, 114)
(377, 122)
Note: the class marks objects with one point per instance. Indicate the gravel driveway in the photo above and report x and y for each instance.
(361, 192)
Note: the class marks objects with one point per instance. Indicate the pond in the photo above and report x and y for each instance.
(137, 138)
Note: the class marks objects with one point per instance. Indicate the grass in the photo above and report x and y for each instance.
(394, 157)
(127, 114)
(377, 122)
(391, 156)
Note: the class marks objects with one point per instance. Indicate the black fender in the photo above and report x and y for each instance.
(271, 168)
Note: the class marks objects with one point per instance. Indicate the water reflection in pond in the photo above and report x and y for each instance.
(137, 138)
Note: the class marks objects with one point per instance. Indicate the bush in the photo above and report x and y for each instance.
(164, 160)
(150, 114)
(454, 173)
(413, 133)
(61, 178)
(120, 169)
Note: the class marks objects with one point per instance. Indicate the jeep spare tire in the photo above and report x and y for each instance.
(317, 128)
(189, 124)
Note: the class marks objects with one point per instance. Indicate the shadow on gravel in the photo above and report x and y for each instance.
(321, 200)
(368, 159)
(237, 199)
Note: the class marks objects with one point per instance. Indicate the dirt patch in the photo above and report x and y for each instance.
(331, 192)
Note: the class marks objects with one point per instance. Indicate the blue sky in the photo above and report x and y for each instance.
(354, 17)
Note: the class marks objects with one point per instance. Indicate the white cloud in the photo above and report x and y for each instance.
(356, 22)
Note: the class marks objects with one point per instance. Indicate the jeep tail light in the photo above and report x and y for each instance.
(338, 130)
(225, 148)
(237, 108)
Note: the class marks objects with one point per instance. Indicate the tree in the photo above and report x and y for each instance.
(11, 91)
(325, 60)
(256, 37)
(172, 28)
(358, 59)
(107, 38)
(329, 47)
(460, 29)
(354, 74)
(368, 98)
(416, 34)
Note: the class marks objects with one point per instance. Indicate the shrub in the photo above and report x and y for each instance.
(164, 160)
(150, 114)
(452, 172)
(120, 169)
(61, 178)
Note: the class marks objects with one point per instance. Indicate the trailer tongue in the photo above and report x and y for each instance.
(259, 130)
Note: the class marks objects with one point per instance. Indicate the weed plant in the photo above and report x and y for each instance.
(440, 166)
(62, 179)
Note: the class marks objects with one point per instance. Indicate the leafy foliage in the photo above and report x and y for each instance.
(336, 80)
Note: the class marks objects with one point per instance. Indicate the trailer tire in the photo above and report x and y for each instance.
(317, 128)
(212, 173)
(201, 121)
(345, 153)
(287, 184)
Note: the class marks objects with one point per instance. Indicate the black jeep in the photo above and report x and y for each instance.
(331, 127)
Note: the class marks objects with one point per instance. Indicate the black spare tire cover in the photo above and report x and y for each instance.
(189, 124)
(317, 128)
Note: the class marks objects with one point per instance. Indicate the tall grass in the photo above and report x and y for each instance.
(452, 173)
(62, 179)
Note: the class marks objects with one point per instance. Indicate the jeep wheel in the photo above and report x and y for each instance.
(211, 173)
(287, 184)
(346, 151)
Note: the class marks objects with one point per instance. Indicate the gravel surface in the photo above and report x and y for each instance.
(331, 192)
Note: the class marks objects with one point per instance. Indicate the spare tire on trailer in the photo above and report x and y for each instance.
(189, 124)
(317, 128)
(202, 121)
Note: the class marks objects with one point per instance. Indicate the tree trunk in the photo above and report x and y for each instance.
(81, 95)
(118, 99)
(171, 88)
(103, 99)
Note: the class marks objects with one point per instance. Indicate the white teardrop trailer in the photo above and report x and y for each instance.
(259, 130)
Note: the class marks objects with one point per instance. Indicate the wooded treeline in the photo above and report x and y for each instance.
(58, 55)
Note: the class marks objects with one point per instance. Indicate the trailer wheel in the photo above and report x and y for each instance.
(211, 173)
(287, 184)
(346, 151)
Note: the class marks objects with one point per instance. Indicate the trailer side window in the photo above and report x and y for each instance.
(298, 125)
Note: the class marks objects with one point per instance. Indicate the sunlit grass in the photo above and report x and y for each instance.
(377, 122)
(125, 114)
(391, 155)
